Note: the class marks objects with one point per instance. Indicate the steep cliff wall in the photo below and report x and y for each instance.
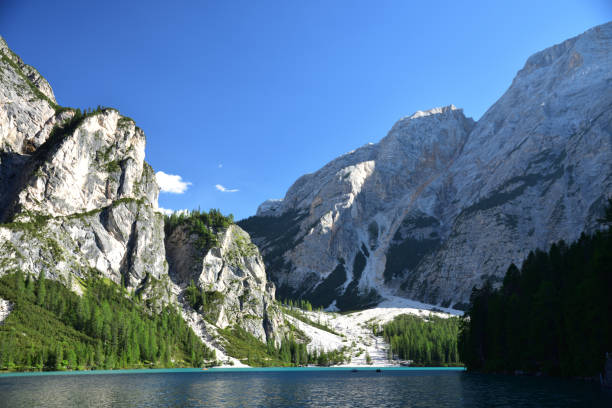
(77, 194)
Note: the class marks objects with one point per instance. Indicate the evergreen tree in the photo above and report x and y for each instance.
(41, 291)
(101, 328)
(552, 315)
(59, 357)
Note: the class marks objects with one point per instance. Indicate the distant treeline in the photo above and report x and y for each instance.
(430, 341)
(300, 304)
(53, 328)
(554, 315)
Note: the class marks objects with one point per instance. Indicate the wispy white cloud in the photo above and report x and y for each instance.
(167, 211)
(225, 190)
(171, 183)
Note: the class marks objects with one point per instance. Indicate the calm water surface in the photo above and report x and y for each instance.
(295, 388)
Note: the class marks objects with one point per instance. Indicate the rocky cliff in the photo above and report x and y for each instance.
(232, 277)
(78, 199)
(77, 194)
(442, 202)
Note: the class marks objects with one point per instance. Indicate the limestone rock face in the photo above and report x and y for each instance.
(27, 105)
(102, 161)
(442, 202)
(536, 168)
(77, 200)
(123, 241)
(28, 71)
(234, 269)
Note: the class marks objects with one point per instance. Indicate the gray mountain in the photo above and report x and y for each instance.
(443, 203)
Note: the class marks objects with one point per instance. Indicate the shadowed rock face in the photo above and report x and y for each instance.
(442, 202)
(233, 269)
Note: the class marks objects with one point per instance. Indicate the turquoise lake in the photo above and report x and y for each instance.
(294, 387)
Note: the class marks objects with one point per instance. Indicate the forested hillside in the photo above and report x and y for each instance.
(551, 316)
(53, 328)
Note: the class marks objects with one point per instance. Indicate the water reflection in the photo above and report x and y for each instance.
(298, 389)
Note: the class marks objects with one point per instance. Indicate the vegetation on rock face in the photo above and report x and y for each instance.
(37, 92)
(209, 301)
(53, 328)
(62, 130)
(552, 315)
(242, 248)
(204, 224)
(424, 341)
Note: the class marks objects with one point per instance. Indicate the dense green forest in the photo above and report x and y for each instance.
(430, 341)
(552, 316)
(53, 328)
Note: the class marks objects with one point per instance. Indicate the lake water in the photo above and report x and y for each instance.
(294, 388)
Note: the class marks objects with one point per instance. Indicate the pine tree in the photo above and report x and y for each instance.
(41, 291)
(59, 357)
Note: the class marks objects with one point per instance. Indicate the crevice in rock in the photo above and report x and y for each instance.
(267, 324)
(128, 259)
(123, 165)
(12, 167)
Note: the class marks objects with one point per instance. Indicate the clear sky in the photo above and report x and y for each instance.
(250, 95)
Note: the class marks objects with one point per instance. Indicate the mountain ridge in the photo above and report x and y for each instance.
(83, 244)
(445, 229)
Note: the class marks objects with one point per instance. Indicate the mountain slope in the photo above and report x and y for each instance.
(89, 265)
(443, 203)
(78, 205)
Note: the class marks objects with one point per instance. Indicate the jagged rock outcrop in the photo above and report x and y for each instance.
(77, 195)
(442, 203)
(233, 273)
(28, 106)
(28, 71)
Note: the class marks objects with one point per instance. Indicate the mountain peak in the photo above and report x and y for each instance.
(442, 203)
(428, 117)
(434, 111)
(569, 54)
(28, 71)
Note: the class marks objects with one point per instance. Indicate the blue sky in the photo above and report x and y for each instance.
(249, 95)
